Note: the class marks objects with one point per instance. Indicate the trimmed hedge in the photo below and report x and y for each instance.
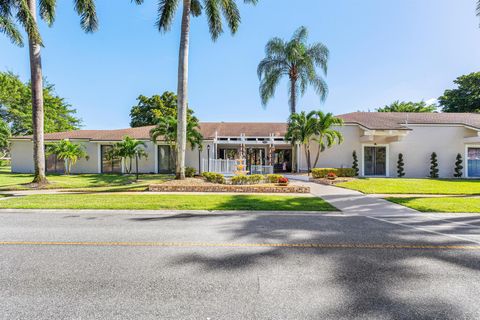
(319, 173)
(190, 172)
(244, 179)
(273, 178)
(214, 177)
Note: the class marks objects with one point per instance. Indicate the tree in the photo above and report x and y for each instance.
(25, 12)
(128, 149)
(325, 135)
(355, 163)
(149, 110)
(403, 106)
(16, 107)
(297, 60)
(68, 151)
(214, 10)
(433, 166)
(4, 136)
(301, 129)
(458, 166)
(400, 166)
(167, 127)
(465, 98)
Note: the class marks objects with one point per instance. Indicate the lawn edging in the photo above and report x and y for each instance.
(229, 188)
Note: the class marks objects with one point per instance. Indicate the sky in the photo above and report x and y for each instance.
(380, 51)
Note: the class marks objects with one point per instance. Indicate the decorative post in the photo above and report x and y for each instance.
(208, 157)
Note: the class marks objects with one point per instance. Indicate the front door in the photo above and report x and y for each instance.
(375, 161)
(166, 163)
(473, 162)
(282, 160)
(255, 156)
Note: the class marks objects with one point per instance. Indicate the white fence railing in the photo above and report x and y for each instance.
(256, 169)
(229, 167)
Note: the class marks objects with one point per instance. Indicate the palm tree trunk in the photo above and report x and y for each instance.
(307, 155)
(293, 96)
(37, 104)
(182, 91)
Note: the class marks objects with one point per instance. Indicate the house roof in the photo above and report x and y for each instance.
(369, 120)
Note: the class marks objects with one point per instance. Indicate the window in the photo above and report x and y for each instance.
(110, 165)
(166, 163)
(54, 165)
(225, 153)
(474, 162)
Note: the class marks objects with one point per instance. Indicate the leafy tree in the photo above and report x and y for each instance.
(465, 98)
(214, 10)
(25, 12)
(400, 166)
(355, 163)
(301, 129)
(4, 135)
(325, 135)
(128, 149)
(149, 110)
(16, 107)
(297, 60)
(403, 106)
(458, 166)
(433, 165)
(69, 151)
(166, 130)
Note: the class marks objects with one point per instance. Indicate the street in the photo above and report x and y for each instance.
(182, 265)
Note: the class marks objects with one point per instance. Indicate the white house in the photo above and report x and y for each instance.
(376, 137)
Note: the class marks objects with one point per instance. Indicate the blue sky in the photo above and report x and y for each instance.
(381, 51)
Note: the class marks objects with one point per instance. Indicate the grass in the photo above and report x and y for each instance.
(413, 186)
(181, 202)
(449, 204)
(83, 182)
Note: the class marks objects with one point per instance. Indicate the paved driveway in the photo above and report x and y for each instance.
(90, 265)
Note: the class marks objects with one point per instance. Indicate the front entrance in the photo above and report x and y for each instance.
(473, 162)
(375, 161)
(282, 160)
(255, 157)
(166, 162)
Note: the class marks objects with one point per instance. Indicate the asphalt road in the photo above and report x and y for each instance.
(72, 265)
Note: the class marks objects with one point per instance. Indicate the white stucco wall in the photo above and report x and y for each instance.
(22, 156)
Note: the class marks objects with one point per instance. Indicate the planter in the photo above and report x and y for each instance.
(283, 184)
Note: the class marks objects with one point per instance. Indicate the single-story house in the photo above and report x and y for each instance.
(376, 137)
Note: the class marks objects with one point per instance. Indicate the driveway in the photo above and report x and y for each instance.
(175, 265)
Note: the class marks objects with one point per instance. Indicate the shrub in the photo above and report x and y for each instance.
(273, 178)
(214, 177)
(319, 173)
(331, 176)
(433, 166)
(255, 178)
(400, 164)
(355, 163)
(239, 179)
(190, 172)
(458, 167)
(283, 180)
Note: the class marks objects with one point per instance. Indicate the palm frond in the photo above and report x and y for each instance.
(212, 9)
(166, 12)
(275, 47)
(47, 10)
(320, 87)
(300, 35)
(268, 85)
(231, 14)
(196, 8)
(9, 28)
(28, 22)
(88, 14)
(319, 53)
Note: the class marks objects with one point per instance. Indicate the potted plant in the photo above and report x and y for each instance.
(283, 181)
(331, 176)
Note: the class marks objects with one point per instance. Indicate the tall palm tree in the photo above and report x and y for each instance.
(167, 130)
(25, 12)
(214, 10)
(325, 135)
(297, 60)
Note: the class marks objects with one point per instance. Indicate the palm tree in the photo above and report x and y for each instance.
(302, 127)
(167, 127)
(325, 135)
(214, 10)
(25, 12)
(297, 60)
(68, 151)
(128, 149)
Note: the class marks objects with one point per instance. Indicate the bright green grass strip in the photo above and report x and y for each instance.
(450, 204)
(19, 181)
(413, 186)
(153, 201)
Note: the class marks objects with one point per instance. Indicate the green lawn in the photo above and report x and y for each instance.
(453, 204)
(99, 182)
(154, 201)
(413, 186)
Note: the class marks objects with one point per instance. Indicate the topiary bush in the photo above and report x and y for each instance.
(458, 167)
(355, 163)
(273, 178)
(190, 172)
(320, 173)
(214, 177)
(433, 166)
(400, 166)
